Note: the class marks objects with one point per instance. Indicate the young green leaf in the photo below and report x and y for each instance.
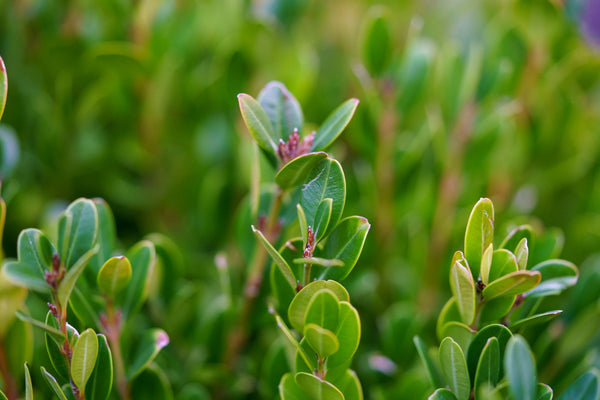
(503, 263)
(544, 392)
(85, 352)
(323, 341)
(3, 396)
(258, 123)
(454, 368)
(28, 385)
(148, 348)
(512, 284)
(461, 333)
(586, 387)
(376, 41)
(345, 243)
(322, 218)
(433, 372)
(289, 389)
(349, 385)
(348, 334)
(334, 125)
(479, 233)
(300, 303)
(57, 359)
(502, 333)
(323, 310)
(53, 384)
(449, 313)
(114, 275)
(3, 86)
(12, 298)
(142, 257)
(522, 254)
(323, 262)
(295, 171)
(303, 224)
(442, 394)
(55, 333)
(486, 264)
(316, 388)
(282, 109)
(519, 368)
(557, 275)
(291, 339)
(513, 239)
(463, 288)
(68, 283)
(106, 237)
(277, 258)
(488, 367)
(100, 383)
(77, 231)
(534, 320)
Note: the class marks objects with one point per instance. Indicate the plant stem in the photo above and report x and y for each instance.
(307, 268)
(10, 386)
(239, 335)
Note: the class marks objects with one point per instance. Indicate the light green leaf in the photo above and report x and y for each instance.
(12, 298)
(53, 384)
(114, 275)
(503, 263)
(454, 368)
(289, 389)
(461, 333)
(277, 258)
(68, 283)
(586, 387)
(435, 377)
(323, 310)
(290, 337)
(535, 319)
(85, 353)
(258, 123)
(520, 370)
(100, 383)
(148, 348)
(323, 341)
(522, 254)
(334, 125)
(442, 394)
(544, 392)
(322, 218)
(512, 284)
(345, 243)
(516, 235)
(55, 333)
(282, 109)
(463, 288)
(300, 303)
(3, 396)
(77, 231)
(479, 233)
(502, 333)
(449, 313)
(323, 262)
(295, 171)
(348, 334)
(488, 367)
(142, 257)
(28, 385)
(3, 86)
(557, 275)
(349, 385)
(303, 224)
(486, 264)
(316, 388)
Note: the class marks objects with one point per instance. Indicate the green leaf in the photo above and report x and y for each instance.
(433, 372)
(322, 218)
(486, 264)
(449, 313)
(106, 237)
(323, 341)
(326, 180)
(349, 385)
(55, 333)
(149, 346)
(345, 243)
(503, 263)
(28, 386)
(323, 262)
(323, 310)
(534, 320)
(303, 224)
(512, 284)
(68, 283)
(301, 302)
(277, 258)
(295, 171)
(463, 288)
(77, 231)
(376, 47)
(442, 394)
(3, 396)
(290, 337)
(461, 333)
(522, 254)
(557, 275)
(114, 275)
(520, 370)
(500, 332)
(3, 86)
(516, 235)
(53, 384)
(100, 383)
(282, 109)
(142, 257)
(316, 388)
(289, 389)
(258, 123)
(34, 252)
(85, 352)
(57, 359)
(488, 367)
(479, 233)
(454, 368)
(586, 387)
(153, 383)
(334, 125)
(85, 305)
(495, 309)
(544, 392)
(12, 298)
(348, 334)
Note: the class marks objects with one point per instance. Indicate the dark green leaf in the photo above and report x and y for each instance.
(334, 125)
(295, 171)
(502, 333)
(544, 392)
(348, 334)
(349, 385)
(258, 123)
(376, 42)
(282, 109)
(56, 357)
(152, 383)
(106, 235)
(488, 367)
(68, 283)
(148, 348)
(322, 218)
(142, 257)
(586, 387)
(433, 372)
(77, 231)
(442, 394)
(495, 309)
(535, 319)
(449, 313)
(557, 275)
(316, 388)
(519, 368)
(454, 368)
(463, 288)
(291, 339)
(53, 385)
(479, 233)
(100, 383)
(34, 257)
(55, 333)
(512, 284)
(516, 235)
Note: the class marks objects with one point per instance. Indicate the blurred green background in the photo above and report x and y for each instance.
(135, 102)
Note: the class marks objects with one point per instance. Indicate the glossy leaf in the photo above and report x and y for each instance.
(77, 231)
(53, 384)
(85, 353)
(300, 303)
(55, 333)
(334, 125)
(282, 109)
(522, 254)
(68, 283)
(512, 284)
(349, 385)
(503, 263)
(114, 275)
(520, 369)
(289, 389)
(534, 320)
(463, 288)
(486, 264)
(142, 257)
(326, 180)
(277, 258)
(479, 233)
(323, 310)
(502, 333)
(586, 387)
(295, 171)
(316, 388)
(148, 348)
(433, 372)
(345, 243)
(258, 123)
(488, 367)
(454, 368)
(3, 86)
(544, 392)
(442, 394)
(100, 383)
(322, 218)
(323, 341)
(557, 275)
(348, 333)
(516, 235)
(34, 252)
